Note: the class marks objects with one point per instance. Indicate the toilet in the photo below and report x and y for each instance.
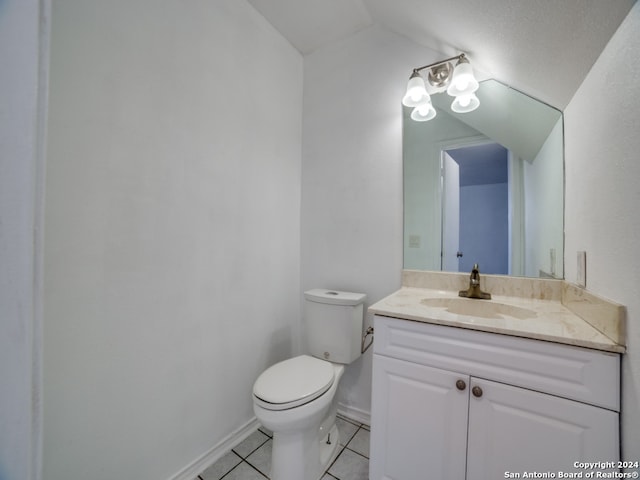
(295, 398)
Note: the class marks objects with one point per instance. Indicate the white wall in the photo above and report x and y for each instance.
(352, 175)
(544, 192)
(23, 52)
(603, 194)
(172, 251)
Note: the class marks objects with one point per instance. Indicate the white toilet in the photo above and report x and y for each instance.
(295, 399)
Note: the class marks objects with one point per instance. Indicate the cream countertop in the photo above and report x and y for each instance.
(534, 318)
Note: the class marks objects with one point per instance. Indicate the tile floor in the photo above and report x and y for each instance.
(251, 459)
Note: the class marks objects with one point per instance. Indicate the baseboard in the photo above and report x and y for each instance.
(353, 413)
(190, 472)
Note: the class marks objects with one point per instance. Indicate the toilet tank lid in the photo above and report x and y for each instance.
(334, 297)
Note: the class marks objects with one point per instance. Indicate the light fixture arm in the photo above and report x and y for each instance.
(435, 64)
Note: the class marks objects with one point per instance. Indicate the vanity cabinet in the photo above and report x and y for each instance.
(451, 403)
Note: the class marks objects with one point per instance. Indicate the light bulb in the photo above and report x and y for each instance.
(423, 112)
(465, 103)
(462, 84)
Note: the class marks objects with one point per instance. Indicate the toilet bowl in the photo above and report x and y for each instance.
(296, 398)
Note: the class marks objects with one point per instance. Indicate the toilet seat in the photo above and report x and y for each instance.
(293, 382)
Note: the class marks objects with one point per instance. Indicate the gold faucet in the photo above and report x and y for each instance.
(474, 286)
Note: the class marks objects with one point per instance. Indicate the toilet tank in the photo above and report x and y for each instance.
(333, 321)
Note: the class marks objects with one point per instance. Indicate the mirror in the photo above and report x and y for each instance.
(485, 187)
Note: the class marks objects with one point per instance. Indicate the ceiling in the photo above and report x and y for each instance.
(542, 47)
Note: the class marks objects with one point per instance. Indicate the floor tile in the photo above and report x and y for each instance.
(244, 471)
(221, 467)
(346, 429)
(261, 458)
(360, 442)
(350, 466)
(326, 476)
(251, 443)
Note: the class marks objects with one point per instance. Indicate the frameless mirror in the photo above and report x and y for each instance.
(485, 187)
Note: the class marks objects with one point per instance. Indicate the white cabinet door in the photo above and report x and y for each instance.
(419, 422)
(516, 430)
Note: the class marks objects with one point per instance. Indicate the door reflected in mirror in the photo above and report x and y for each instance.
(486, 187)
(475, 198)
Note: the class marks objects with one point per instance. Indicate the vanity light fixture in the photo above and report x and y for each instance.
(459, 82)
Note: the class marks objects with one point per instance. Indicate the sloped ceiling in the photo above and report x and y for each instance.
(542, 47)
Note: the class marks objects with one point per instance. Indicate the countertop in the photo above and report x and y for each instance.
(534, 318)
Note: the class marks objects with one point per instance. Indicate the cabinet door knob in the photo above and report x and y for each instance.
(460, 385)
(477, 391)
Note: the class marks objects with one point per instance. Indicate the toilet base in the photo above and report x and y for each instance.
(303, 455)
(329, 448)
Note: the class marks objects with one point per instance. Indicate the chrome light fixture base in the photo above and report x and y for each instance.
(440, 74)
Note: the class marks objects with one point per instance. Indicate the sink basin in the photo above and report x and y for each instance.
(479, 308)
